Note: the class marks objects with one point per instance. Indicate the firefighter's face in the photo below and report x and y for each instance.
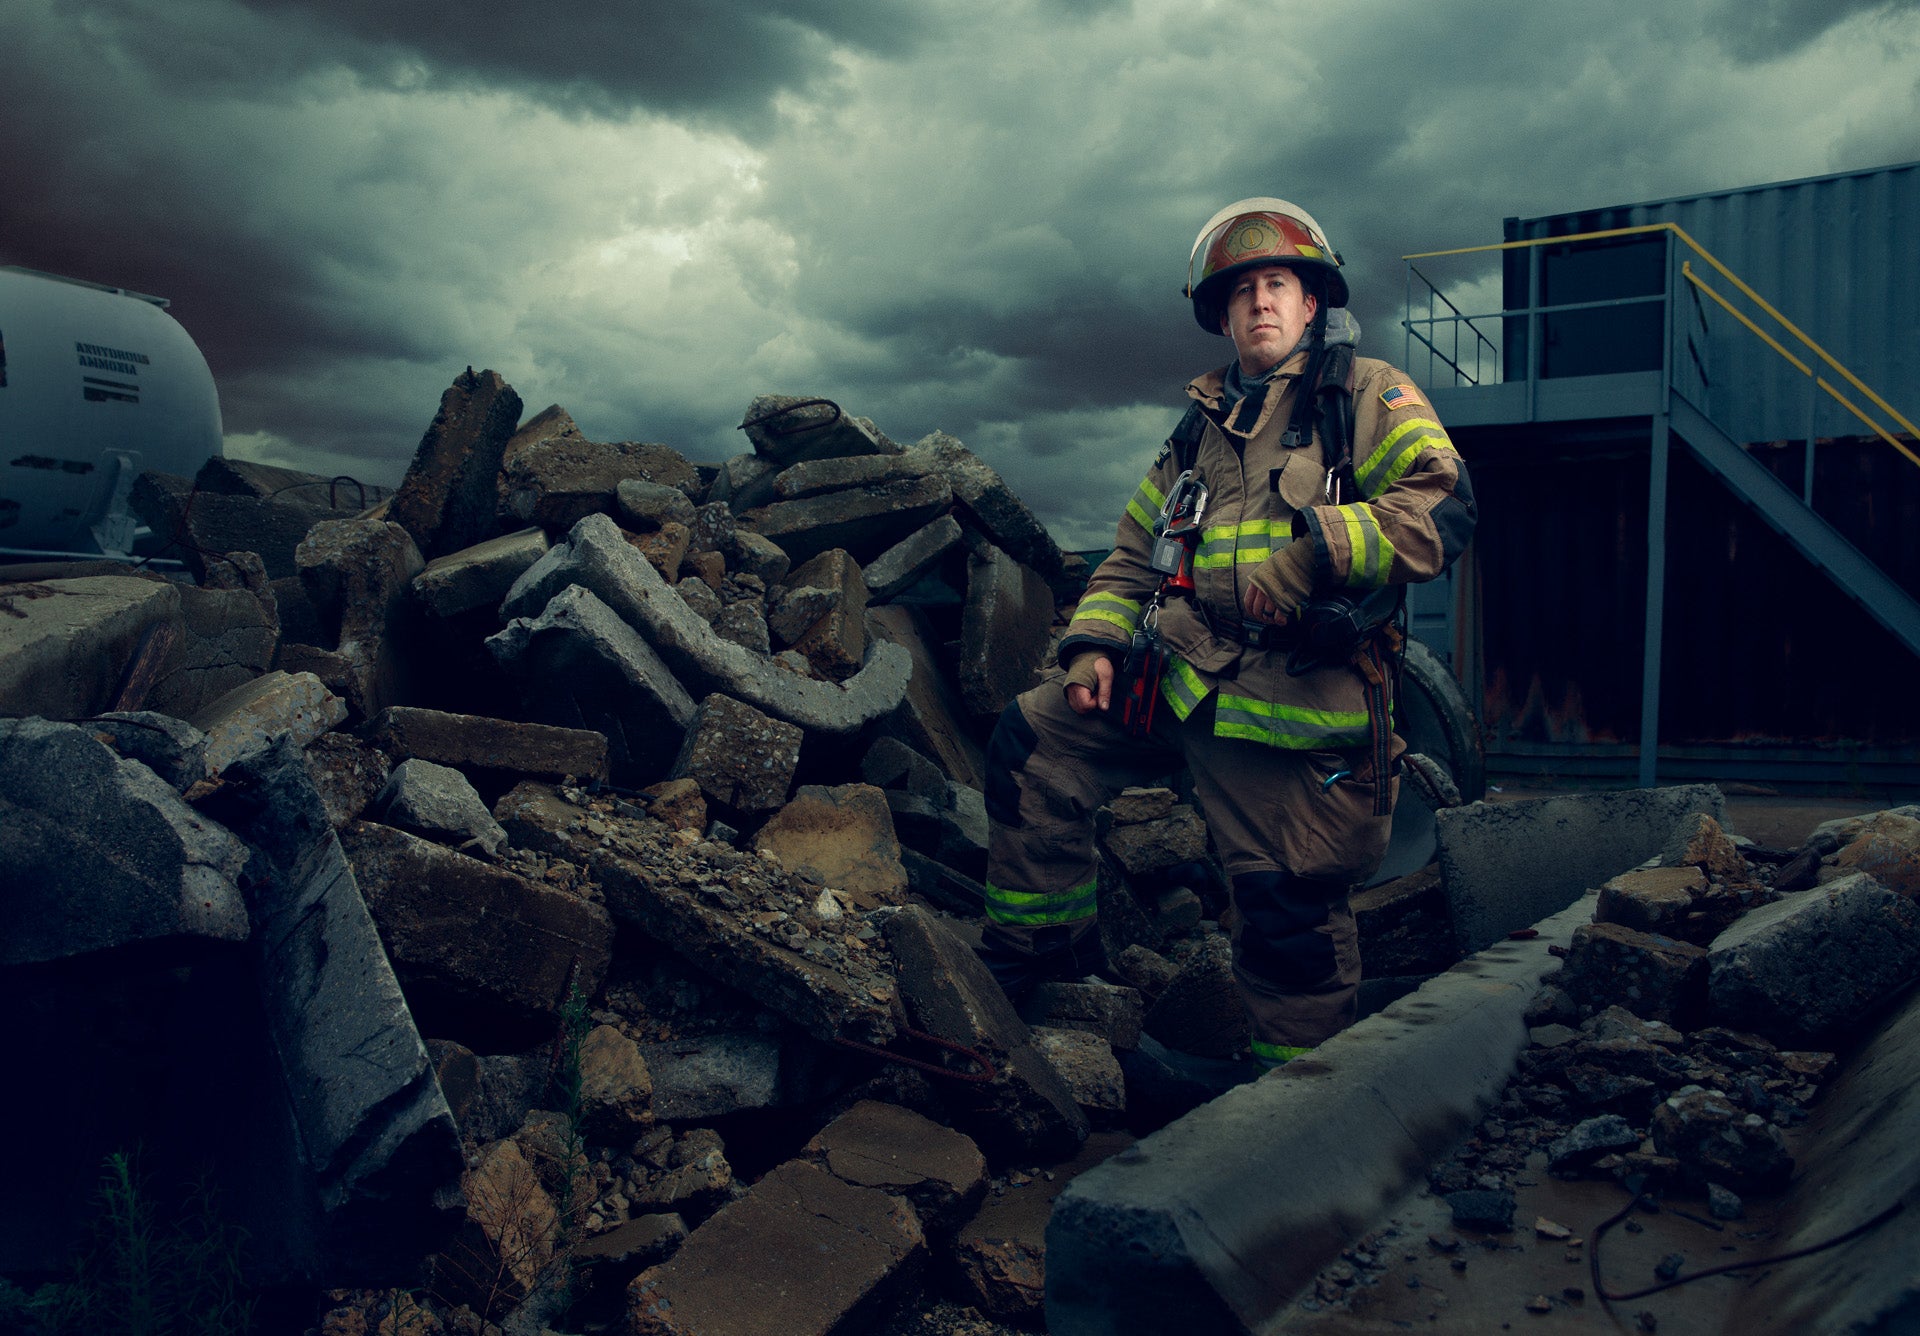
(1267, 312)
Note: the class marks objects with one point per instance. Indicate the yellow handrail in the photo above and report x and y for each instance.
(1751, 295)
(1686, 272)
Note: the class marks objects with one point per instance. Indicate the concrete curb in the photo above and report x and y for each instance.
(1217, 1220)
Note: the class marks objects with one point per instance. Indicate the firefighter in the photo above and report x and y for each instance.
(1265, 664)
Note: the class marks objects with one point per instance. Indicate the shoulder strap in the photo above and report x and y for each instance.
(1185, 441)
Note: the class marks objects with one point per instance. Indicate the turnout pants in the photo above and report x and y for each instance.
(1296, 830)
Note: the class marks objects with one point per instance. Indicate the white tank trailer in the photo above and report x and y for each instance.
(96, 385)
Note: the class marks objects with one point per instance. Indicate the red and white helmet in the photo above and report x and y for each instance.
(1251, 232)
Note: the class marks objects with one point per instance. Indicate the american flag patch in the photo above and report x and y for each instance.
(1401, 396)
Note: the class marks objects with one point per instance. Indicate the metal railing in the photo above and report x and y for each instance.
(1424, 330)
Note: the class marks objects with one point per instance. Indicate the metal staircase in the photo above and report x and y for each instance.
(1673, 398)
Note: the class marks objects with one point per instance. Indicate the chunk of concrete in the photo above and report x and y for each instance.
(1108, 1010)
(172, 748)
(64, 644)
(486, 956)
(741, 758)
(507, 1241)
(745, 481)
(205, 525)
(1654, 899)
(817, 477)
(1087, 1063)
(1571, 843)
(1814, 965)
(1003, 631)
(900, 566)
(1718, 1140)
(840, 837)
(599, 559)
(1026, 1109)
(375, 1129)
(225, 638)
(98, 852)
(1698, 841)
(436, 801)
(449, 498)
(990, 505)
(836, 642)
(931, 718)
(552, 475)
(827, 993)
(348, 773)
(758, 1264)
(357, 572)
(496, 748)
(248, 719)
(581, 667)
(616, 1089)
(866, 521)
(478, 576)
(787, 428)
(1144, 848)
(1655, 977)
(711, 1076)
(892, 764)
(755, 554)
(1199, 1012)
(648, 505)
(885, 1146)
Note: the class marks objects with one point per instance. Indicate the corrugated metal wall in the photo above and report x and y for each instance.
(1760, 648)
(1834, 254)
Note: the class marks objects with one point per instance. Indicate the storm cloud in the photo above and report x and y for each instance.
(973, 216)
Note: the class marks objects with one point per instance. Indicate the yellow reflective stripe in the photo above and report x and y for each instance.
(1122, 612)
(1029, 909)
(1182, 688)
(1276, 1055)
(1244, 544)
(1391, 459)
(1146, 505)
(1292, 726)
(1370, 554)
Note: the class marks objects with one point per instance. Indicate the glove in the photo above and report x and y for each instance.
(1286, 577)
(1080, 671)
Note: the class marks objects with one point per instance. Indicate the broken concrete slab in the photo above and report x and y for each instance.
(358, 572)
(506, 1242)
(348, 774)
(1815, 965)
(1654, 899)
(552, 475)
(437, 802)
(742, 759)
(1026, 1109)
(66, 643)
(172, 748)
(900, 566)
(931, 717)
(486, 956)
(598, 558)
(1698, 841)
(739, 919)
(787, 428)
(478, 576)
(226, 638)
(1003, 632)
(345, 497)
(496, 748)
(756, 555)
(1210, 1225)
(1573, 843)
(819, 476)
(616, 1089)
(581, 667)
(1143, 848)
(99, 852)
(992, 506)
(248, 719)
(884, 1146)
(892, 764)
(205, 525)
(1199, 1012)
(835, 643)
(1859, 1160)
(841, 837)
(375, 1129)
(1658, 978)
(696, 1078)
(755, 1266)
(1087, 1063)
(1108, 1010)
(866, 521)
(449, 499)
(648, 505)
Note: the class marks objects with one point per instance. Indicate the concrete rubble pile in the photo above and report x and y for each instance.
(555, 882)
(546, 893)
(1691, 1026)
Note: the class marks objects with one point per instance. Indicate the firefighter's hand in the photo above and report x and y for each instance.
(1280, 584)
(1089, 682)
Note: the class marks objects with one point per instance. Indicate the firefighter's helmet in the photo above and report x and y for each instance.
(1254, 232)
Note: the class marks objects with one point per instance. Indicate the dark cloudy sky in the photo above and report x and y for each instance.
(965, 214)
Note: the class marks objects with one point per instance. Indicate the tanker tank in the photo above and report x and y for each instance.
(97, 384)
